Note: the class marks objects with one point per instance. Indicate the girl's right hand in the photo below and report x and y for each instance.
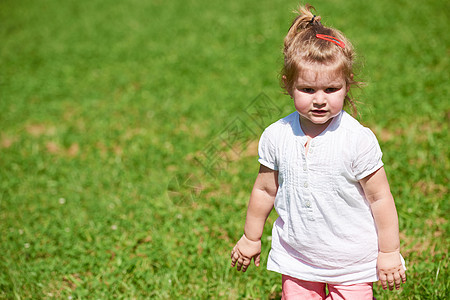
(244, 251)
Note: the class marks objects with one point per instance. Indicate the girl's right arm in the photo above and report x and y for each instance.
(260, 205)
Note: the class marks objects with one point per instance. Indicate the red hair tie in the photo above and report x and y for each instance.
(331, 39)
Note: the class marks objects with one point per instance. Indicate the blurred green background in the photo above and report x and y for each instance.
(128, 136)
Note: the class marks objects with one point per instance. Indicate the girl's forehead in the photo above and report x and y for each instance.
(321, 73)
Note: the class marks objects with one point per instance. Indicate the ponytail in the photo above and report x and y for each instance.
(304, 19)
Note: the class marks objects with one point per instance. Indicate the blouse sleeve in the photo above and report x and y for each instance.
(267, 151)
(368, 155)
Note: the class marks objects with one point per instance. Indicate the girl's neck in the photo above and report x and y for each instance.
(310, 129)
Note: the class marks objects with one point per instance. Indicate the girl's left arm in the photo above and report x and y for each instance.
(378, 193)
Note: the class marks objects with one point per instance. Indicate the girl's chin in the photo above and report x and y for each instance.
(319, 120)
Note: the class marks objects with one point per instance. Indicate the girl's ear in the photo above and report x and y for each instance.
(348, 86)
(285, 83)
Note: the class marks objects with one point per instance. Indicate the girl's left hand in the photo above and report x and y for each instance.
(390, 270)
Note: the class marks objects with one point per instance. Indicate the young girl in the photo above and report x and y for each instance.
(322, 170)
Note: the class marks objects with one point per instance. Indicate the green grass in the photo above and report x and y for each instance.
(127, 143)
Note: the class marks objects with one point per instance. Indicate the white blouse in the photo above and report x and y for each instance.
(325, 231)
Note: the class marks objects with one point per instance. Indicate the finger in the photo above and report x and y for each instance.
(246, 264)
(240, 262)
(233, 262)
(390, 281)
(234, 258)
(244, 267)
(233, 251)
(403, 275)
(383, 281)
(257, 260)
(397, 280)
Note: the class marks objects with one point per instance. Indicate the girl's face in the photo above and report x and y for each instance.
(318, 94)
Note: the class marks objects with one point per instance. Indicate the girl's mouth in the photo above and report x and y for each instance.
(319, 111)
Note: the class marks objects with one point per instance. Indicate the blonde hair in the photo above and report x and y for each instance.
(302, 47)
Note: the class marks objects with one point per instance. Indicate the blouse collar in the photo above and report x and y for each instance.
(334, 124)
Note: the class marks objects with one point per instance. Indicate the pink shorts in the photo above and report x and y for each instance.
(294, 288)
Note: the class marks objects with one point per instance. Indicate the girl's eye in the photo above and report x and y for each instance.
(331, 90)
(307, 90)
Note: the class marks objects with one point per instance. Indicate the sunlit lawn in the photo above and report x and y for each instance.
(128, 136)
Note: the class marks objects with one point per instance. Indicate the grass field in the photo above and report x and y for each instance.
(128, 134)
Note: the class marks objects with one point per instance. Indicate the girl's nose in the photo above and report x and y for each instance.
(319, 98)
